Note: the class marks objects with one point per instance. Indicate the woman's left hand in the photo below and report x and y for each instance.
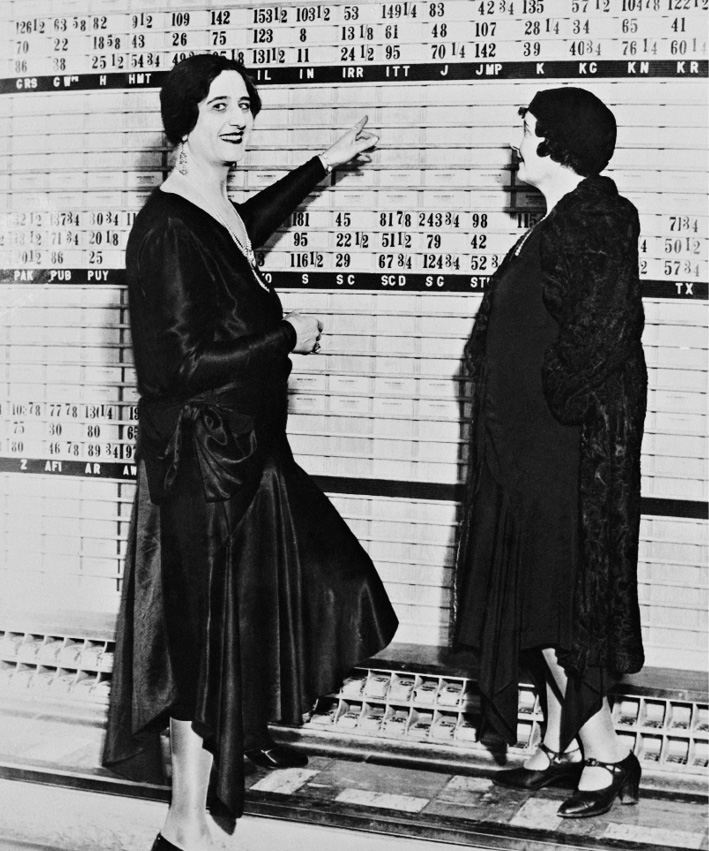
(352, 145)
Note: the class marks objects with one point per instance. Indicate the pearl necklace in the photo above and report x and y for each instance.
(243, 243)
(525, 237)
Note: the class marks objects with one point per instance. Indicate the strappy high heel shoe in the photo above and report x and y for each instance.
(625, 784)
(561, 767)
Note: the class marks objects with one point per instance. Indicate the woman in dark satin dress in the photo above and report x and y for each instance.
(547, 561)
(246, 596)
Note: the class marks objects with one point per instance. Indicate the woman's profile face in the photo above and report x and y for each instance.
(532, 167)
(224, 123)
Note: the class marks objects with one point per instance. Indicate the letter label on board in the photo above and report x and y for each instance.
(488, 69)
(93, 469)
(53, 467)
(66, 80)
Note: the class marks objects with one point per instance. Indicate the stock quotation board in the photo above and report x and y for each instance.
(393, 256)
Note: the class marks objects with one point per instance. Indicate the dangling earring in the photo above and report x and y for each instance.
(182, 160)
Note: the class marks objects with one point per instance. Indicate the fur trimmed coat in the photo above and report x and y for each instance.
(593, 376)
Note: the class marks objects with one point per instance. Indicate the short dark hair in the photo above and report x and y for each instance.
(554, 147)
(578, 130)
(187, 85)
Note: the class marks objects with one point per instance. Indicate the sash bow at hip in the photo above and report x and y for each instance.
(223, 443)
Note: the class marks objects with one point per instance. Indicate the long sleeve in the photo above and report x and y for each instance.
(171, 296)
(592, 290)
(265, 212)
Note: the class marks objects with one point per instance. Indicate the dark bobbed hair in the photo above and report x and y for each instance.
(577, 129)
(554, 147)
(187, 85)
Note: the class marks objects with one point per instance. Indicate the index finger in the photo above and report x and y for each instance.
(369, 141)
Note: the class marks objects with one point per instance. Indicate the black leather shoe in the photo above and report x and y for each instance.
(561, 768)
(625, 783)
(162, 844)
(278, 756)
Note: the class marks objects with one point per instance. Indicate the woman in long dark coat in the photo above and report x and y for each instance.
(549, 542)
(245, 594)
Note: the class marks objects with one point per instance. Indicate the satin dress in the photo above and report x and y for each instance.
(246, 596)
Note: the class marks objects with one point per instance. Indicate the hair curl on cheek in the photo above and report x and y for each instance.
(554, 147)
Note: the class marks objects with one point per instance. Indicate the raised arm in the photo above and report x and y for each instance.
(266, 211)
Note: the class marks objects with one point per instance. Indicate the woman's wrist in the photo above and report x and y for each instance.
(327, 165)
(290, 332)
